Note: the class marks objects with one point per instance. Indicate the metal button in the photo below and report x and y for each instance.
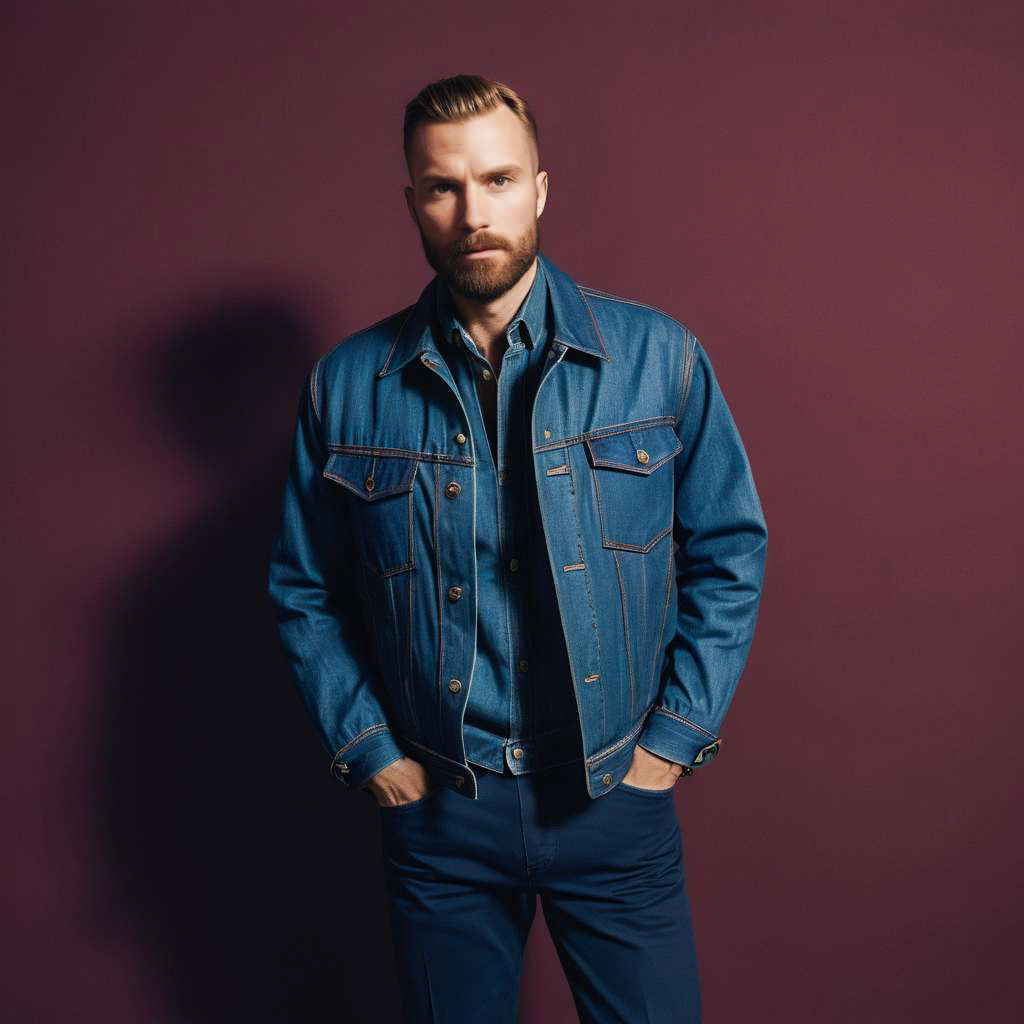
(518, 753)
(524, 665)
(454, 593)
(642, 456)
(460, 438)
(513, 564)
(547, 433)
(427, 361)
(486, 374)
(454, 685)
(606, 779)
(369, 483)
(453, 489)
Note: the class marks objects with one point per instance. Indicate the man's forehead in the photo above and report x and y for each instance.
(442, 147)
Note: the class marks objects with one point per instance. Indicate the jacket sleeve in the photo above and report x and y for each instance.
(721, 535)
(317, 611)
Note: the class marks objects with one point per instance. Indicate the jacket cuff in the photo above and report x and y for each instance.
(365, 755)
(673, 736)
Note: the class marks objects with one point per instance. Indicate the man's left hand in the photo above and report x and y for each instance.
(650, 771)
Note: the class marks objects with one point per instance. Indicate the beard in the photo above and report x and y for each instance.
(485, 279)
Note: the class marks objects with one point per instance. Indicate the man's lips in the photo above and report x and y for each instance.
(480, 252)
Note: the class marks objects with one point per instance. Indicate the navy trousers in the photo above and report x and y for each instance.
(463, 877)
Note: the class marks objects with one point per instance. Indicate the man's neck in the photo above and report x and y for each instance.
(486, 322)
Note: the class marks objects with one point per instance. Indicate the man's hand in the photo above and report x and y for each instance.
(650, 771)
(400, 782)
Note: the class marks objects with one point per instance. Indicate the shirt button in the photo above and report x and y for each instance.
(606, 779)
(486, 374)
(460, 438)
(454, 685)
(454, 593)
(518, 753)
(524, 665)
(513, 564)
(453, 489)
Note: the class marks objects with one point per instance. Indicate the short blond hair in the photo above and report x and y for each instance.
(459, 98)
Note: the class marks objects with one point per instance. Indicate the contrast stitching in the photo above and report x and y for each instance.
(633, 467)
(643, 549)
(394, 344)
(314, 388)
(625, 626)
(368, 731)
(393, 571)
(621, 545)
(617, 428)
(631, 302)
(685, 721)
(607, 752)
(356, 488)
(593, 320)
(440, 600)
(405, 453)
(407, 667)
(652, 675)
(689, 353)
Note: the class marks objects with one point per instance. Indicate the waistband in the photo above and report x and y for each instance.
(512, 756)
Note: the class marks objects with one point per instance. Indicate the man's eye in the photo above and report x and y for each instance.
(440, 184)
(499, 177)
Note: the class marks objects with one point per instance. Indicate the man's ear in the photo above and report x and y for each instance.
(542, 191)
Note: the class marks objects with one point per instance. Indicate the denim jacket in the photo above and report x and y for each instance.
(653, 534)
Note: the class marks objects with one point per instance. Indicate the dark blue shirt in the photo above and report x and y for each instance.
(521, 715)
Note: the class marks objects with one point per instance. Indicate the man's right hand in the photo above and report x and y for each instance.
(400, 782)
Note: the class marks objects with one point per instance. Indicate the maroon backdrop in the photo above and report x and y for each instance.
(199, 203)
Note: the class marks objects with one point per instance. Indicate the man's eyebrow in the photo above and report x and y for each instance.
(506, 169)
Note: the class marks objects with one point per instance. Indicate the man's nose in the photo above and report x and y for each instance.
(474, 209)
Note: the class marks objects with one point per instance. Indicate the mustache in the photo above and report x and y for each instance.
(477, 245)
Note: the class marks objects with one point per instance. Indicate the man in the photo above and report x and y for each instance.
(517, 576)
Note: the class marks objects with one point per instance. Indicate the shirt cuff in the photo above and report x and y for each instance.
(358, 761)
(677, 738)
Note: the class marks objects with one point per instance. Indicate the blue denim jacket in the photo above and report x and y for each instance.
(654, 539)
(521, 710)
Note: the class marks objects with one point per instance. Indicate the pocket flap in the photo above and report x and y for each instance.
(371, 476)
(637, 450)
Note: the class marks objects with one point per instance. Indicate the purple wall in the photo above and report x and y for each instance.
(828, 195)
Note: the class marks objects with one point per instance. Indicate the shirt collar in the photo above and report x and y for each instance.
(531, 315)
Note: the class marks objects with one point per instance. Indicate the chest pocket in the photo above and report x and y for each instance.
(634, 483)
(382, 510)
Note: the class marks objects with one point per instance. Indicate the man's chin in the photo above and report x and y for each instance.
(484, 279)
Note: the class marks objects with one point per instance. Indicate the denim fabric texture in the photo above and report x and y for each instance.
(644, 516)
(521, 712)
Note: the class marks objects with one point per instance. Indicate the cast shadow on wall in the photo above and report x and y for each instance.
(252, 877)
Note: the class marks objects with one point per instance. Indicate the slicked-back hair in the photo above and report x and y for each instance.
(460, 98)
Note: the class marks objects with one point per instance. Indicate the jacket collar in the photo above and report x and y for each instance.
(528, 324)
(574, 323)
